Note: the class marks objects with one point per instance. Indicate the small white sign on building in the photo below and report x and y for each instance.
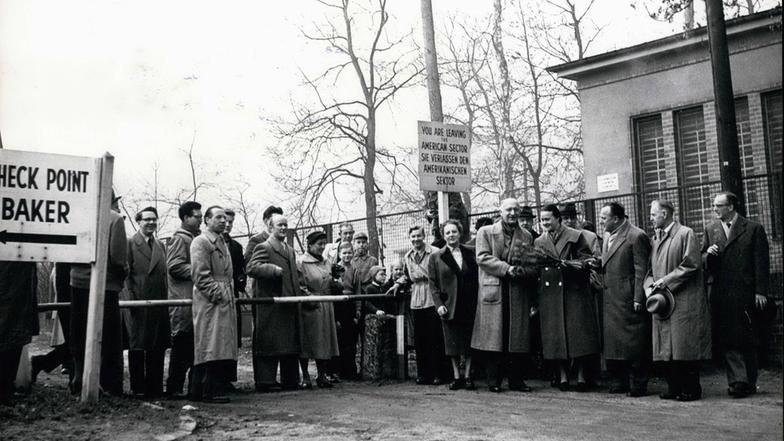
(605, 183)
(444, 157)
(48, 207)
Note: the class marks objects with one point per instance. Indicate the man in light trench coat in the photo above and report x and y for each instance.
(682, 333)
(214, 311)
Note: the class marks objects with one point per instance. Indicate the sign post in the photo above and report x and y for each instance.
(52, 208)
(92, 346)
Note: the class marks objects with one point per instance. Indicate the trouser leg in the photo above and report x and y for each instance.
(689, 372)
(289, 371)
(79, 302)
(492, 363)
(111, 346)
(420, 344)
(265, 370)
(741, 366)
(136, 370)
(153, 374)
(673, 376)
(640, 374)
(9, 364)
(197, 384)
(619, 374)
(180, 362)
(515, 366)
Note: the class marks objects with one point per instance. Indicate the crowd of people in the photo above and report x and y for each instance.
(486, 305)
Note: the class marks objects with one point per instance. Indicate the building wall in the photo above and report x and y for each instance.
(607, 108)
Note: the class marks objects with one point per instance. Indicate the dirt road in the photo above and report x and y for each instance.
(404, 411)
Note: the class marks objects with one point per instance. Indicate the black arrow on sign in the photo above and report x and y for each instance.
(54, 239)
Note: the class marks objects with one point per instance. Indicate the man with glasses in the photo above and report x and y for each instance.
(147, 328)
(178, 262)
(735, 252)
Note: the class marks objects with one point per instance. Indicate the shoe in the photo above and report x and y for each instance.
(305, 385)
(495, 389)
(668, 396)
(290, 387)
(230, 388)
(334, 378)
(220, 399)
(554, 383)
(177, 396)
(617, 389)
(323, 383)
(266, 388)
(469, 384)
(685, 396)
(740, 390)
(563, 386)
(423, 380)
(437, 381)
(636, 393)
(581, 386)
(522, 387)
(460, 383)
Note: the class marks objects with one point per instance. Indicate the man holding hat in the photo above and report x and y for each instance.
(681, 324)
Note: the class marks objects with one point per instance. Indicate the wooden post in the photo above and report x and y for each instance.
(94, 334)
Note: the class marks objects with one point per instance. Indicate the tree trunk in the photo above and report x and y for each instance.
(369, 183)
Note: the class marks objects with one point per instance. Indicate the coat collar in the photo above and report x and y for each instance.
(140, 240)
(669, 232)
(565, 236)
(309, 258)
(737, 229)
(277, 246)
(446, 255)
(620, 238)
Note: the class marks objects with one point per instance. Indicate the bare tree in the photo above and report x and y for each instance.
(247, 210)
(332, 140)
(667, 10)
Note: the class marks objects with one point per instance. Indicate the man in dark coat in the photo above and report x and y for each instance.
(240, 281)
(526, 220)
(178, 262)
(276, 334)
(735, 253)
(264, 235)
(147, 328)
(626, 255)
(18, 319)
(502, 324)
(570, 331)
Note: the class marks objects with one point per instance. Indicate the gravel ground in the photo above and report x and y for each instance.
(400, 411)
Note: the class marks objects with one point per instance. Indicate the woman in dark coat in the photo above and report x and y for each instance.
(570, 330)
(453, 285)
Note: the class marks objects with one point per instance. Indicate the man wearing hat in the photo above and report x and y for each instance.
(735, 251)
(681, 337)
(526, 220)
(627, 326)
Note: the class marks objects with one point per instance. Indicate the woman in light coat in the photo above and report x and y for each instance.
(214, 311)
(319, 331)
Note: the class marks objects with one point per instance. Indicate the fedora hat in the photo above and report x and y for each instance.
(661, 303)
(527, 212)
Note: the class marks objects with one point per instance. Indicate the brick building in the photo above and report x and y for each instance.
(649, 129)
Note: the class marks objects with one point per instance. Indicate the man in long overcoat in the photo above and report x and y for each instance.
(276, 334)
(214, 311)
(735, 253)
(502, 325)
(18, 319)
(147, 328)
(570, 331)
(626, 255)
(178, 262)
(684, 338)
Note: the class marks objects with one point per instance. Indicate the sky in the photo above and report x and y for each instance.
(144, 80)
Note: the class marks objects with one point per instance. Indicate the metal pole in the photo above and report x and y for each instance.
(724, 102)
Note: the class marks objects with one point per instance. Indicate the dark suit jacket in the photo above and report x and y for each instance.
(627, 334)
(148, 328)
(452, 286)
(741, 270)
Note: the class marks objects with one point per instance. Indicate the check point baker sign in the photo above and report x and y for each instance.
(48, 206)
(444, 157)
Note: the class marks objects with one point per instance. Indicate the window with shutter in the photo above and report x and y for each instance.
(692, 151)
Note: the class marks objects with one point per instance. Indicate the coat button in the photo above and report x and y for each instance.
(546, 283)
(547, 268)
(560, 284)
